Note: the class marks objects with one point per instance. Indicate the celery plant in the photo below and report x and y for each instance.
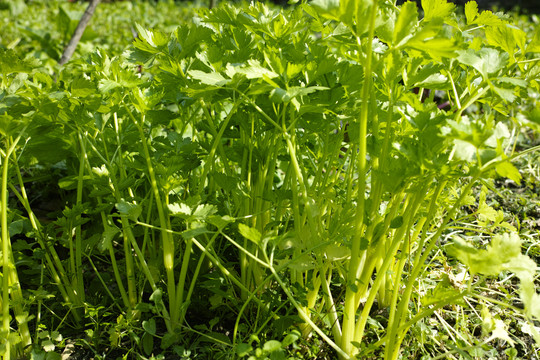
(320, 149)
(324, 151)
(337, 167)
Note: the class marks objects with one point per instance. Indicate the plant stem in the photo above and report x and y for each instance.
(6, 262)
(79, 284)
(167, 240)
(408, 216)
(349, 311)
(11, 287)
(419, 264)
(129, 266)
(342, 354)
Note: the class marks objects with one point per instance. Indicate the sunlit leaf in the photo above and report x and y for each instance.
(465, 150)
(506, 94)
(271, 346)
(82, 87)
(202, 211)
(487, 61)
(508, 170)
(153, 38)
(179, 209)
(407, 19)
(254, 70)
(336, 252)
(250, 233)
(437, 9)
(487, 17)
(506, 37)
(213, 78)
(503, 253)
(534, 44)
(471, 11)
(10, 62)
(327, 8)
(435, 48)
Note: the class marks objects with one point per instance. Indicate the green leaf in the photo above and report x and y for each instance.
(153, 39)
(145, 99)
(228, 183)
(440, 293)
(81, 87)
(436, 48)
(16, 227)
(148, 343)
(220, 221)
(70, 182)
(327, 8)
(488, 18)
(503, 253)
(195, 230)
(203, 211)
(471, 11)
(302, 263)
(407, 19)
(271, 346)
(486, 212)
(500, 133)
(295, 91)
(396, 222)
(513, 81)
(508, 170)
(107, 237)
(107, 85)
(168, 340)
(157, 296)
(363, 9)
(500, 332)
(291, 338)
(243, 349)
(437, 9)
(179, 209)
(149, 326)
(254, 70)
(67, 20)
(216, 337)
(534, 114)
(335, 252)
(486, 60)
(279, 95)
(48, 345)
(506, 37)
(530, 298)
(534, 44)
(347, 11)
(214, 78)
(435, 82)
(464, 150)
(133, 211)
(505, 94)
(250, 233)
(10, 62)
